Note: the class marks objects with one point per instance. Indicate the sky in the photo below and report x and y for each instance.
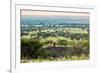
(59, 17)
(48, 13)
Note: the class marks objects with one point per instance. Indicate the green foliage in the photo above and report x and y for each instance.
(55, 42)
(62, 42)
(31, 47)
(25, 42)
(86, 43)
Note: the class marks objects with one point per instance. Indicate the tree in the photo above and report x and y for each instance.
(30, 48)
(25, 48)
(36, 47)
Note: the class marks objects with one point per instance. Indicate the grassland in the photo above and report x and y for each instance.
(54, 44)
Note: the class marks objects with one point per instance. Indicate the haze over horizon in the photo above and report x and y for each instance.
(55, 19)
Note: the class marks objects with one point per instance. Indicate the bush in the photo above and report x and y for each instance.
(30, 48)
(62, 42)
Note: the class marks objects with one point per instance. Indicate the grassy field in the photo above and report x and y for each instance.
(53, 44)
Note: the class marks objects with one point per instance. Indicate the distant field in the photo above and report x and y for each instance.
(71, 30)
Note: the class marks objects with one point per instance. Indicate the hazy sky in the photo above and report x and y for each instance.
(59, 17)
(47, 13)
